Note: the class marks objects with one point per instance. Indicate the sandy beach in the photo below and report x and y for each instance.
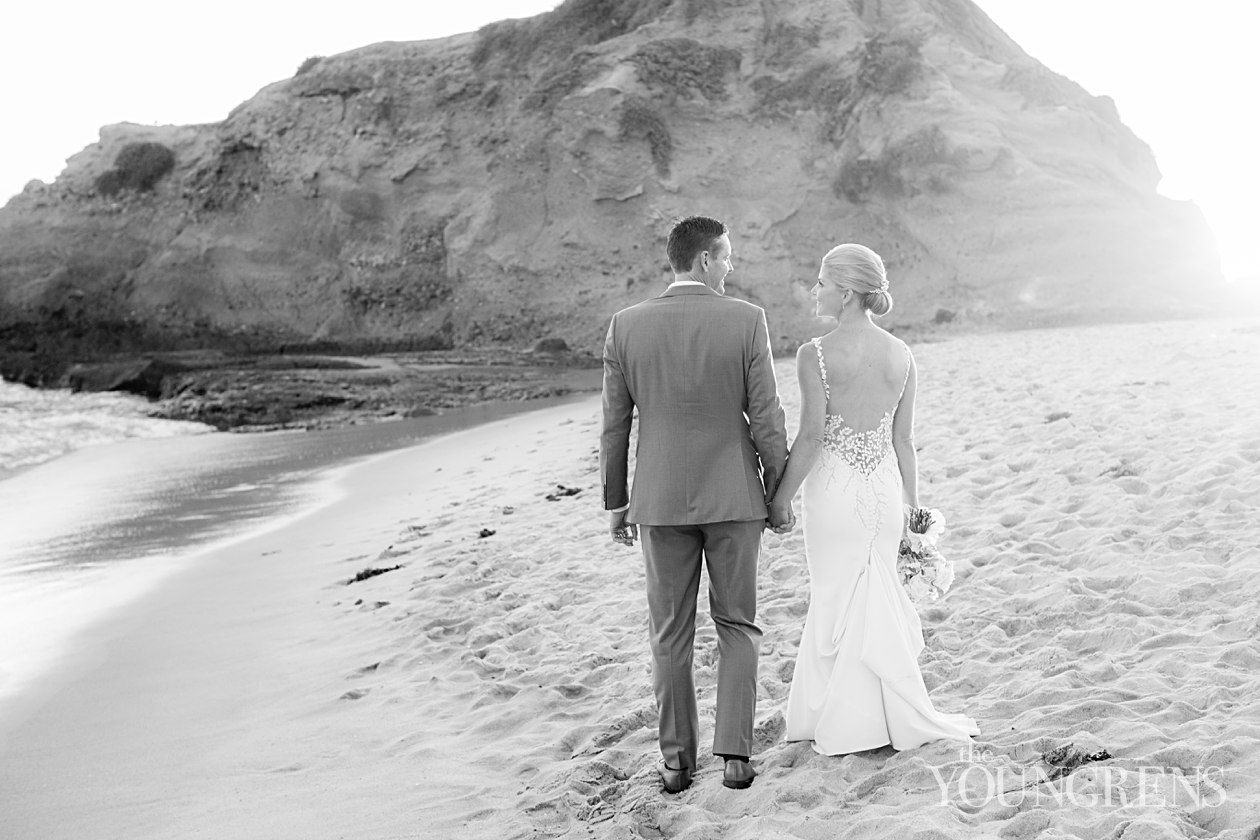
(1102, 486)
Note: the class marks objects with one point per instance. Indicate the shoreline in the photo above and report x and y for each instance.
(161, 702)
(92, 528)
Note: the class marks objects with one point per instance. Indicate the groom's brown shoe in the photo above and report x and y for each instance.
(738, 775)
(675, 781)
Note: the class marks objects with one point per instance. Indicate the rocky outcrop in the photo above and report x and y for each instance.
(516, 183)
(297, 391)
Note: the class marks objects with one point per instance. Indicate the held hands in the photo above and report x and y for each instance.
(780, 519)
(622, 532)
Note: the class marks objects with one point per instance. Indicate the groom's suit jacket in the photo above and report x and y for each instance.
(712, 439)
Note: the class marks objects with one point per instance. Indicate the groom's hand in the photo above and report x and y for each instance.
(786, 526)
(622, 532)
(781, 517)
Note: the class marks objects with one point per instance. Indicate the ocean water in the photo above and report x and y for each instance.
(99, 503)
(39, 425)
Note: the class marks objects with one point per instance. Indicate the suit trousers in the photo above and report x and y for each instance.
(673, 559)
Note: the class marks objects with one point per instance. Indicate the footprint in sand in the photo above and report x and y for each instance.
(1023, 826)
(288, 768)
(1134, 486)
(570, 691)
(1011, 518)
(618, 729)
(768, 732)
(768, 688)
(497, 693)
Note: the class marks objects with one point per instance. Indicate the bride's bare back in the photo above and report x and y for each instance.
(866, 371)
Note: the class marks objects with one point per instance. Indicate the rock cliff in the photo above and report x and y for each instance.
(516, 183)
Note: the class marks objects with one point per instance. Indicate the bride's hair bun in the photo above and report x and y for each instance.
(859, 268)
(878, 302)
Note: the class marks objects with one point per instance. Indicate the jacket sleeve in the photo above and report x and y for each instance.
(614, 442)
(765, 413)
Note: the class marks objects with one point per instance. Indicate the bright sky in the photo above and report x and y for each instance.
(1182, 75)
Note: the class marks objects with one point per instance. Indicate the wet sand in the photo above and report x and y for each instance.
(83, 534)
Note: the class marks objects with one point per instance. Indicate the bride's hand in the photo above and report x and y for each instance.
(780, 515)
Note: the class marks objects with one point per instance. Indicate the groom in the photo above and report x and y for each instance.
(712, 447)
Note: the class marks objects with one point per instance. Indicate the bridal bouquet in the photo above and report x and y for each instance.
(925, 572)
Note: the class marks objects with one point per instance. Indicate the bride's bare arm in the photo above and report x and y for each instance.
(903, 439)
(809, 436)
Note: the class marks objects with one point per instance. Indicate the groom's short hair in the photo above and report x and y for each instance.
(688, 238)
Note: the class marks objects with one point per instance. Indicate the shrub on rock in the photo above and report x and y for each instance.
(139, 166)
(551, 345)
(308, 64)
(640, 121)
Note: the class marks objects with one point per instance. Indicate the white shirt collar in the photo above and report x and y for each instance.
(685, 283)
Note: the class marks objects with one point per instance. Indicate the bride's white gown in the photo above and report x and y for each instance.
(857, 684)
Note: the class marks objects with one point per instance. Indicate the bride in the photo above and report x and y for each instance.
(857, 684)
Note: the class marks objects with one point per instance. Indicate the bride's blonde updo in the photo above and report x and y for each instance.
(859, 268)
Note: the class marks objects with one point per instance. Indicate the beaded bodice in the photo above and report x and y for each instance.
(864, 450)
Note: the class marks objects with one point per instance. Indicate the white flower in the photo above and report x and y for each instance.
(919, 590)
(936, 530)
